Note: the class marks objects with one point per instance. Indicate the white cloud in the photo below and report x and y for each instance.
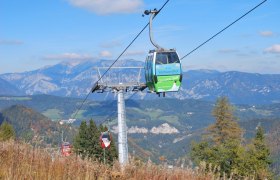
(273, 49)
(105, 54)
(266, 33)
(10, 42)
(69, 56)
(103, 7)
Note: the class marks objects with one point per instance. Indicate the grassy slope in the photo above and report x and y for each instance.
(21, 161)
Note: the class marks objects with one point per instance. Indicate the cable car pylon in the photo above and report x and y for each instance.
(120, 88)
(122, 129)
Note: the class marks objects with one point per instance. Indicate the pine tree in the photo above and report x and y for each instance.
(261, 155)
(225, 128)
(87, 143)
(81, 141)
(223, 147)
(94, 150)
(223, 139)
(254, 161)
(6, 131)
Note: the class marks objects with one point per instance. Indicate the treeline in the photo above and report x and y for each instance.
(224, 151)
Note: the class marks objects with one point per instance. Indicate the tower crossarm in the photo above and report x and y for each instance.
(103, 86)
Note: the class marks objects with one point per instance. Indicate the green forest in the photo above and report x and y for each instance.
(223, 149)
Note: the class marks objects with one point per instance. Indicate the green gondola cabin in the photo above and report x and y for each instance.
(163, 71)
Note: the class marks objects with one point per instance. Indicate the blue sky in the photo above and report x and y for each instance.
(36, 33)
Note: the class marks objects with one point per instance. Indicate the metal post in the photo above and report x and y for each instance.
(122, 134)
(104, 156)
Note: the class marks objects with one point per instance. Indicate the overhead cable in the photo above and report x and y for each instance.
(212, 37)
(107, 119)
(80, 107)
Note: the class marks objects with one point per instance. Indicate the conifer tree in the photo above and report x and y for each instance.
(87, 143)
(255, 160)
(225, 128)
(6, 131)
(94, 149)
(261, 154)
(223, 140)
(81, 141)
(223, 147)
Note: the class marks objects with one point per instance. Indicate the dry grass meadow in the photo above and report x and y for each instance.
(22, 161)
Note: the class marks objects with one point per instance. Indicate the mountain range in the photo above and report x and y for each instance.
(8, 89)
(76, 80)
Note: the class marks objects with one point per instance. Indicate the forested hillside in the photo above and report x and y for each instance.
(33, 127)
